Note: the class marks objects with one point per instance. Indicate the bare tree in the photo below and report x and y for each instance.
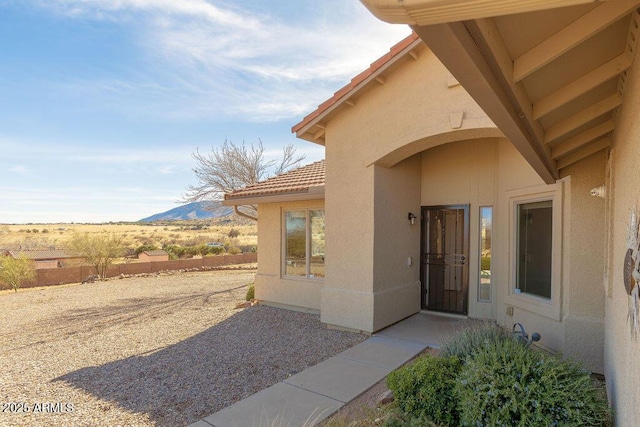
(232, 167)
(99, 250)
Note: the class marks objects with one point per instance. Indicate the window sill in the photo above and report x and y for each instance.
(303, 279)
(534, 304)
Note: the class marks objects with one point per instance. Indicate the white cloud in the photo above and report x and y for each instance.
(168, 169)
(209, 59)
(90, 154)
(20, 169)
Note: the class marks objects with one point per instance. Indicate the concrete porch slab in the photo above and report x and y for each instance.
(279, 405)
(424, 328)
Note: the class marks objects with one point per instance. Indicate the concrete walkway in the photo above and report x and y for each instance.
(316, 393)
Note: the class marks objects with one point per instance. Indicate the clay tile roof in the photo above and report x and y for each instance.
(43, 254)
(299, 180)
(342, 93)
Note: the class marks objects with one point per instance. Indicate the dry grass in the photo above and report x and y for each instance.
(185, 233)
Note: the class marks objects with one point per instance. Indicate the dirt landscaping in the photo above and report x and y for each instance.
(144, 351)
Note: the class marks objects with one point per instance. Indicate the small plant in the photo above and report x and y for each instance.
(233, 233)
(507, 383)
(469, 340)
(424, 389)
(234, 250)
(251, 292)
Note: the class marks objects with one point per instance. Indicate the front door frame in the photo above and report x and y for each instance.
(423, 262)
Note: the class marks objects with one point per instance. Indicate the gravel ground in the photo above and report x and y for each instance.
(164, 350)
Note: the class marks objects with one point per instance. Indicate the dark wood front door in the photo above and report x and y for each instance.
(445, 257)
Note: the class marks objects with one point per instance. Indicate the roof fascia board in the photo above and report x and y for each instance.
(303, 131)
(314, 193)
(429, 12)
(456, 48)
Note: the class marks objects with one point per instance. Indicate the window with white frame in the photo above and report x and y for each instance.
(304, 243)
(534, 247)
(484, 283)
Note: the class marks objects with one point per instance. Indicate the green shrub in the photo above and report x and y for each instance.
(468, 340)
(485, 263)
(507, 383)
(424, 389)
(402, 420)
(251, 292)
(216, 250)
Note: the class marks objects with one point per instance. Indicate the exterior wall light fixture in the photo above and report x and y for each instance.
(412, 218)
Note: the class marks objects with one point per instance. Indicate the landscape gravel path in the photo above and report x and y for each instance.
(166, 350)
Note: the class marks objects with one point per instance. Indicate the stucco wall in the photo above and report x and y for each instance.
(369, 284)
(489, 172)
(396, 254)
(583, 300)
(621, 349)
(465, 173)
(270, 286)
(419, 139)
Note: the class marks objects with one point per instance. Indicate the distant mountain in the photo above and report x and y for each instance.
(195, 210)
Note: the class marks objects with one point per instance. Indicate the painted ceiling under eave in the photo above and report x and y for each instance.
(552, 80)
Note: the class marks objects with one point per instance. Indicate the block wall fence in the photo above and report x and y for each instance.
(60, 276)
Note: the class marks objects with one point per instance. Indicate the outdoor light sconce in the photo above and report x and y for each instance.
(412, 218)
(599, 191)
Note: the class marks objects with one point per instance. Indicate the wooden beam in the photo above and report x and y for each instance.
(570, 36)
(489, 40)
(458, 50)
(414, 55)
(592, 112)
(584, 138)
(380, 80)
(584, 153)
(581, 86)
(319, 134)
(350, 103)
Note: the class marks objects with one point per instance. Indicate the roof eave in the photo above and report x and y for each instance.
(429, 12)
(312, 193)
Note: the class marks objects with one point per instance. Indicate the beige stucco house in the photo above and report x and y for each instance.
(487, 167)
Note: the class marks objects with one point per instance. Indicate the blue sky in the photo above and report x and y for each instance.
(102, 102)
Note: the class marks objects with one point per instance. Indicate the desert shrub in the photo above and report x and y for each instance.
(508, 383)
(251, 292)
(424, 389)
(485, 263)
(14, 272)
(143, 248)
(233, 233)
(248, 248)
(234, 250)
(216, 250)
(468, 340)
(175, 251)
